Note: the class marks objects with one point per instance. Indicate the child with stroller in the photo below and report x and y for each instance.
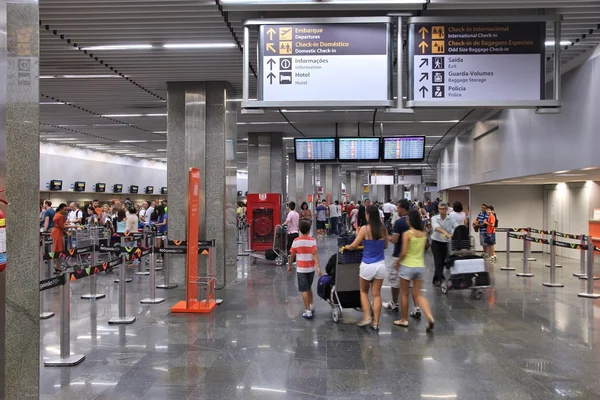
(304, 251)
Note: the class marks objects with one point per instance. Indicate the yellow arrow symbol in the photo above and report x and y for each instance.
(423, 46)
(423, 31)
(270, 47)
(271, 32)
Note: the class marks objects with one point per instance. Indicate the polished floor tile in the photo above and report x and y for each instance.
(520, 341)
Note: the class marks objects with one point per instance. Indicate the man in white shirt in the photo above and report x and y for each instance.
(443, 228)
(142, 212)
(75, 215)
(388, 210)
(149, 211)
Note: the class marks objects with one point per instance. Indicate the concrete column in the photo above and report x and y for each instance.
(202, 128)
(19, 175)
(291, 184)
(266, 163)
(336, 186)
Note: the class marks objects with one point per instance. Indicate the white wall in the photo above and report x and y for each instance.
(72, 164)
(568, 209)
(242, 182)
(517, 143)
(517, 206)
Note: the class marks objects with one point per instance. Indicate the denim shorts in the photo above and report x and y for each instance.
(305, 281)
(482, 239)
(412, 274)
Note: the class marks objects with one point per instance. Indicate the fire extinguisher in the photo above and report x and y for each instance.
(2, 237)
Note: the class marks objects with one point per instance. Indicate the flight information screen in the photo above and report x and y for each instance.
(315, 149)
(404, 148)
(359, 149)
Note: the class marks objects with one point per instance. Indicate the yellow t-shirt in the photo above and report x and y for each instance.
(415, 255)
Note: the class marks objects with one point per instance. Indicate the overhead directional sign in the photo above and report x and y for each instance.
(480, 63)
(330, 63)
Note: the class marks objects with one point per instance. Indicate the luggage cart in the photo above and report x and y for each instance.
(345, 292)
(467, 269)
(279, 247)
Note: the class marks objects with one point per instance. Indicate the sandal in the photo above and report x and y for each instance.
(400, 323)
(374, 327)
(365, 323)
(429, 327)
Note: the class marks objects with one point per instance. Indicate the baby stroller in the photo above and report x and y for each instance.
(467, 269)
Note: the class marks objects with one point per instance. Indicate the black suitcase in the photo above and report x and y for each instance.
(465, 281)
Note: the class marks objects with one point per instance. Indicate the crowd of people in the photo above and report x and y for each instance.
(411, 227)
(118, 217)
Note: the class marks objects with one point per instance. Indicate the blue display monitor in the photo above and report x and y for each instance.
(358, 149)
(315, 149)
(404, 148)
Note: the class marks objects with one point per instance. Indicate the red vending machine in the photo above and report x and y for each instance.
(264, 214)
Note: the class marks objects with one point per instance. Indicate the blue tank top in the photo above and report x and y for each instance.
(374, 251)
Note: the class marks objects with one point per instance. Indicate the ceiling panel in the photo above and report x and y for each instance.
(133, 81)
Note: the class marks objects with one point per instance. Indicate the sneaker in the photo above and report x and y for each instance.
(493, 258)
(391, 306)
(159, 261)
(307, 314)
(416, 313)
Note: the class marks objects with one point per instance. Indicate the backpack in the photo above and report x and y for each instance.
(270, 255)
(495, 223)
(331, 266)
(324, 287)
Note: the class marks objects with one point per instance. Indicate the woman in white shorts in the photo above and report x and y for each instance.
(374, 237)
(411, 265)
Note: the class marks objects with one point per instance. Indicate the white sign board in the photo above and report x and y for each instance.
(312, 63)
(477, 63)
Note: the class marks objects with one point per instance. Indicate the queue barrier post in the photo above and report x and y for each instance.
(122, 318)
(507, 267)
(166, 283)
(527, 245)
(43, 314)
(248, 237)
(525, 273)
(66, 359)
(142, 260)
(553, 265)
(589, 293)
(118, 280)
(581, 274)
(93, 295)
(152, 299)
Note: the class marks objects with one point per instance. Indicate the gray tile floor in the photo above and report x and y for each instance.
(521, 341)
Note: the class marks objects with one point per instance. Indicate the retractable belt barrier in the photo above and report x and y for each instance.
(585, 246)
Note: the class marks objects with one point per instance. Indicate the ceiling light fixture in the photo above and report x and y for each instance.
(571, 175)
(120, 47)
(160, 132)
(132, 115)
(79, 76)
(562, 43)
(224, 45)
(51, 103)
(133, 141)
(61, 139)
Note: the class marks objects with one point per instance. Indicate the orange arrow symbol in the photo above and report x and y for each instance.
(271, 32)
(423, 46)
(423, 31)
(270, 47)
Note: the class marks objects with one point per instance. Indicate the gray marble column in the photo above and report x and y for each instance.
(266, 163)
(336, 186)
(291, 183)
(202, 128)
(19, 174)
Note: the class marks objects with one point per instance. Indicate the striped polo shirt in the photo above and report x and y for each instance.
(304, 247)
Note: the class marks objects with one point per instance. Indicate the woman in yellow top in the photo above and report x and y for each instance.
(411, 264)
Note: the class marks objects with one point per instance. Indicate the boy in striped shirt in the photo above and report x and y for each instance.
(304, 250)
